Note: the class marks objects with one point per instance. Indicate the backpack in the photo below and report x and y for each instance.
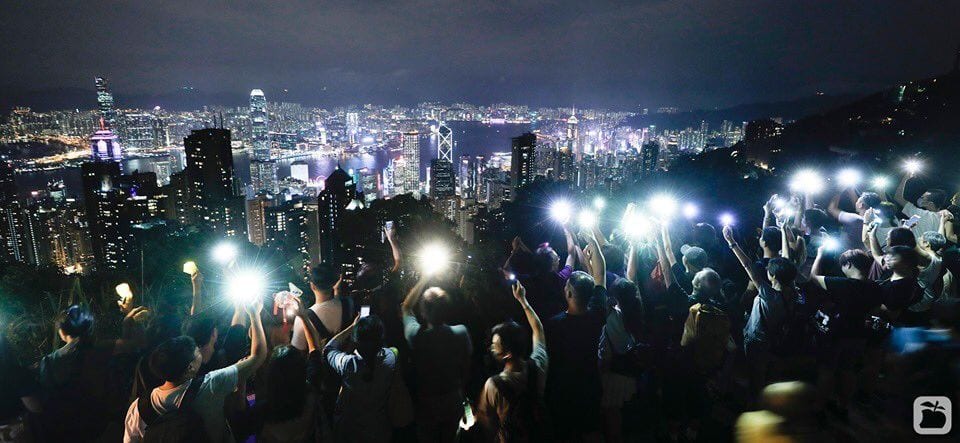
(527, 416)
(794, 335)
(705, 335)
(182, 425)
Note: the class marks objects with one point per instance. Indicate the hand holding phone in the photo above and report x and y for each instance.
(364, 311)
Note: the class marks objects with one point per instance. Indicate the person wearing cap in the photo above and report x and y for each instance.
(693, 260)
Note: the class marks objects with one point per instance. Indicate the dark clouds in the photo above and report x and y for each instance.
(614, 52)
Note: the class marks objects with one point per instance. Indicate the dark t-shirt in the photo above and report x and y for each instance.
(545, 291)
(852, 301)
(15, 382)
(572, 344)
(682, 278)
(900, 294)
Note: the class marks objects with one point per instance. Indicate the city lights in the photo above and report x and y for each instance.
(913, 166)
(245, 286)
(561, 211)
(849, 177)
(587, 219)
(807, 181)
(690, 211)
(224, 253)
(190, 268)
(433, 258)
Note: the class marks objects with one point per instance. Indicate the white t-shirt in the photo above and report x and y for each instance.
(216, 386)
(927, 279)
(929, 220)
(331, 315)
(852, 229)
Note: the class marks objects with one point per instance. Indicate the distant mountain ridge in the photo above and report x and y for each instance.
(184, 99)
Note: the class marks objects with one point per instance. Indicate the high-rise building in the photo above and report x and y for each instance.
(263, 176)
(573, 135)
(649, 158)
(339, 190)
(259, 135)
(214, 200)
(565, 165)
(353, 127)
(444, 142)
(522, 158)
(142, 130)
(256, 231)
(105, 103)
(104, 144)
(103, 200)
(467, 178)
(442, 182)
(410, 174)
(300, 170)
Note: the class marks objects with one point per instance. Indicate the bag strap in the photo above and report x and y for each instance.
(149, 414)
(191, 393)
(325, 333)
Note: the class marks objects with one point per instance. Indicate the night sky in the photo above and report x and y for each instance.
(689, 53)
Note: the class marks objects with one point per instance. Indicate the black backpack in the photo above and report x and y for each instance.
(182, 425)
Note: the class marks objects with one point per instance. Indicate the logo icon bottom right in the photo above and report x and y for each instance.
(932, 415)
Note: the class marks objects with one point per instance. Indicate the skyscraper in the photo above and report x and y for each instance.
(103, 200)
(256, 231)
(339, 190)
(104, 144)
(522, 160)
(214, 202)
(442, 184)
(573, 134)
(300, 170)
(105, 103)
(467, 178)
(444, 142)
(410, 173)
(353, 127)
(263, 176)
(142, 131)
(649, 156)
(258, 125)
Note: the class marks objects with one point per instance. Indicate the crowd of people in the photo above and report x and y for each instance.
(826, 317)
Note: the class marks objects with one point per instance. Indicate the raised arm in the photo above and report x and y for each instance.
(573, 252)
(520, 293)
(665, 268)
(898, 197)
(391, 235)
(336, 342)
(196, 283)
(946, 226)
(258, 343)
(769, 219)
(875, 248)
(598, 265)
(310, 332)
(632, 262)
(816, 274)
(668, 245)
(741, 256)
(834, 207)
(413, 297)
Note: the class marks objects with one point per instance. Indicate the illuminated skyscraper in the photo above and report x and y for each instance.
(263, 176)
(353, 127)
(467, 177)
(256, 231)
(300, 171)
(649, 156)
(105, 103)
(258, 125)
(573, 134)
(441, 179)
(142, 131)
(214, 202)
(104, 144)
(103, 199)
(339, 190)
(444, 142)
(410, 174)
(522, 160)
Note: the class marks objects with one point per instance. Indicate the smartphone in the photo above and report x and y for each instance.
(364, 311)
(387, 226)
(911, 222)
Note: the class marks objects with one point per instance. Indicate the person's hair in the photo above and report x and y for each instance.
(772, 238)
(935, 239)
(200, 329)
(938, 197)
(236, 344)
(857, 258)
(435, 303)
(906, 254)
(627, 295)
(513, 339)
(543, 259)
(171, 360)
(286, 384)
(162, 328)
(707, 286)
(368, 336)
(815, 218)
(324, 276)
(871, 199)
(888, 212)
(614, 258)
(783, 270)
(75, 321)
(703, 235)
(901, 237)
(582, 284)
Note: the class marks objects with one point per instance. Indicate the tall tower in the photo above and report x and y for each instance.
(104, 201)
(258, 125)
(213, 199)
(105, 103)
(444, 142)
(522, 158)
(410, 141)
(104, 144)
(573, 134)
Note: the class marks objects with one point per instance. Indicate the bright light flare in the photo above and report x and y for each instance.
(224, 252)
(830, 244)
(664, 206)
(434, 258)
(727, 219)
(636, 226)
(123, 290)
(849, 177)
(246, 286)
(599, 203)
(587, 220)
(561, 211)
(807, 181)
(880, 183)
(190, 268)
(913, 166)
(690, 211)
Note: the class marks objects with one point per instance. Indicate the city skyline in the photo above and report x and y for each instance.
(604, 54)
